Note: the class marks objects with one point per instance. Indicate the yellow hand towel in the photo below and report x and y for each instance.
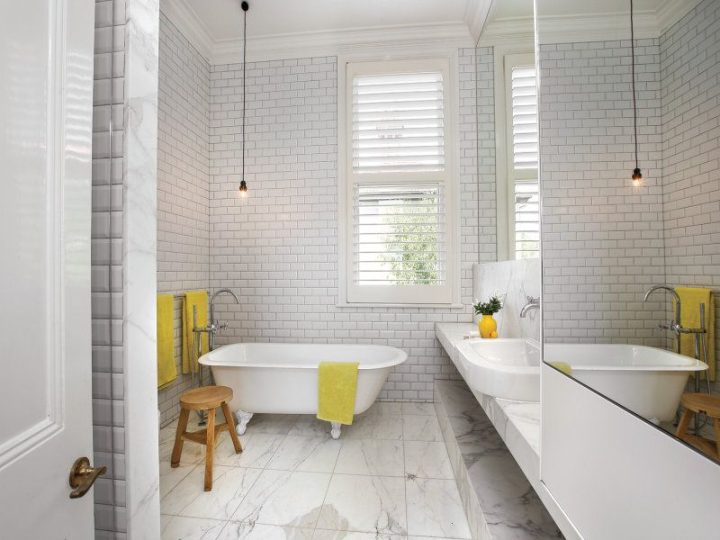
(337, 384)
(166, 368)
(189, 354)
(690, 300)
(562, 366)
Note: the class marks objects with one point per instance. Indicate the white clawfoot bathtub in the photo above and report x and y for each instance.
(282, 378)
(645, 380)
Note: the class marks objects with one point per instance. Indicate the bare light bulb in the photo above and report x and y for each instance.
(243, 189)
(637, 177)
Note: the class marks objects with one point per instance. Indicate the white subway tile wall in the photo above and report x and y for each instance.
(690, 68)
(107, 267)
(183, 185)
(278, 249)
(602, 237)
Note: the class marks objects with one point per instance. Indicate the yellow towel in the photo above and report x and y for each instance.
(166, 368)
(337, 384)
(562, 366)
(690, 299)
(189, 356)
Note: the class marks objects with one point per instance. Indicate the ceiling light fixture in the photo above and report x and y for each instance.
(637, 174)
(243, 184)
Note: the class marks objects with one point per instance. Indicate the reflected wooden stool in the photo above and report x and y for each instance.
(205, 398)
(708, 405)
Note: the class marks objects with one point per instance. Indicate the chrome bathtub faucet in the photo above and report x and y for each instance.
(215, 325)
(533, 302)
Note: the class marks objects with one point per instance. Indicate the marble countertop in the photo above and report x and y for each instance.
(517, 422)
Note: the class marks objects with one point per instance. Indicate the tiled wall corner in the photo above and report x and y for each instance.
(690, 68)
(183, 185)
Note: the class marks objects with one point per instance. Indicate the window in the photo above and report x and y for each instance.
(523, 147)
(398, 170)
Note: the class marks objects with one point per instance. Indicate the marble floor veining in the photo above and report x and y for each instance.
(388, 477)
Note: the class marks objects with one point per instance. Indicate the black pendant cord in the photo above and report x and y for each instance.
(244, 5)
(637, 175)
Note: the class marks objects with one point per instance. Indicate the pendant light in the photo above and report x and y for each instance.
(637, 174)
(243, 189)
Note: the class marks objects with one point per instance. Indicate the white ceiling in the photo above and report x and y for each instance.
(295, 28)
(223, 18)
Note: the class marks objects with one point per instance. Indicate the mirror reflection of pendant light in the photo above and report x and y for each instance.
(637, 174)
(243, 184)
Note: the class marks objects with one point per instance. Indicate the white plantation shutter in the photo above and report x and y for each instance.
(527, 220)
(398, 123)
(398, 246)
(523, 143)
(524, 118)
(399, 235)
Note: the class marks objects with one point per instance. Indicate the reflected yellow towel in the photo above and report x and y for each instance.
(166, 368)
(189, 354)
(690, 299)
(337, 384)
(562, 366)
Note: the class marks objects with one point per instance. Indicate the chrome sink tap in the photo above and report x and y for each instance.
(215, 325)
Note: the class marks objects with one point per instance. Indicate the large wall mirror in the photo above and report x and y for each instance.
(631, 265)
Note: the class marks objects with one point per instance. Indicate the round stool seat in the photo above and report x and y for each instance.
(702, 403)
(205, 397)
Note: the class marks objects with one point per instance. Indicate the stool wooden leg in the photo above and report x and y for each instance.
(230, 420)
(210, 449)
(684, 423)
(181, 428)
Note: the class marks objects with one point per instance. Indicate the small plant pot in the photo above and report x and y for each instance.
(487, 326)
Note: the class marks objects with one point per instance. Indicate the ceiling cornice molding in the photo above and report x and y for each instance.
(508, 31)
(596, 27)
(476, 16)
(671, 11)
(331, 43)
(190, 25)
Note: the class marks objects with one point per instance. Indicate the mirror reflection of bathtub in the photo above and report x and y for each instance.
(645, 380)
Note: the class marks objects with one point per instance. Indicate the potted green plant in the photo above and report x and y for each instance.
(487, 325)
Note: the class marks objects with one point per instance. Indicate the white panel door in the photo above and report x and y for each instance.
(46, 77)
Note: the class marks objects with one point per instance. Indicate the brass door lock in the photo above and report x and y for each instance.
(83, 476)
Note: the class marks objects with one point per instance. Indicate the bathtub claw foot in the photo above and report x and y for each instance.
(243, 417)
(335, 430)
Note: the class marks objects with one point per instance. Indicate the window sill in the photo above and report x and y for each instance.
(342, 305)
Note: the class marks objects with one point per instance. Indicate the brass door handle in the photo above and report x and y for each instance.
(83, 476)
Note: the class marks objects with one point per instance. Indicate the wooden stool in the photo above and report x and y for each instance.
(205, 398)
(708, 405)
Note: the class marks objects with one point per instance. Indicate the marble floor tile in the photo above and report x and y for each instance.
(427, 460)
(258, 450)
(228, 491)
(191, 487)
(421, 428)
(276, 424)
(373, 504)
(171, 477)
(435, 509)
(384, 408)
(309, 426)
(187, 528)
(248, 531)
(375, 457)
(424, 409)
(375, 426)
(291, 499)
(309, 454)
(321, 534)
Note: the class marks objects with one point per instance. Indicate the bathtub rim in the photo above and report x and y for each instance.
(400, 356)
(685, 363)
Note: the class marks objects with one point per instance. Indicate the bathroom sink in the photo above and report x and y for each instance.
(502, 368)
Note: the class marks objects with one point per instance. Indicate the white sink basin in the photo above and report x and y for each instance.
(502, 368)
